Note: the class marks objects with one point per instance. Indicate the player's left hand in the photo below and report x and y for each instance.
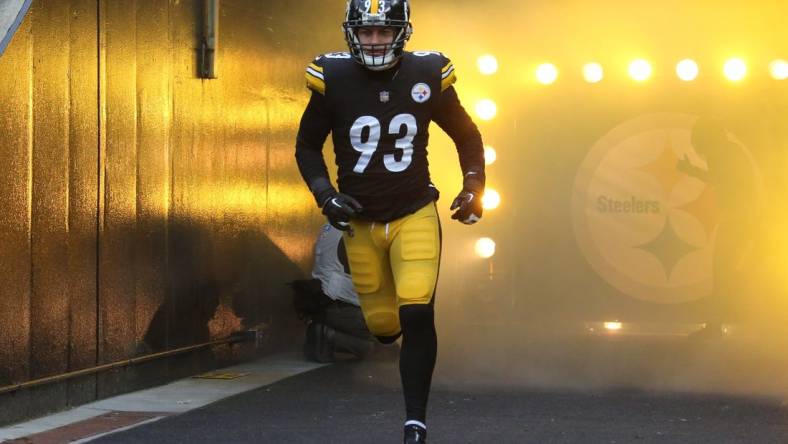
(469, 207)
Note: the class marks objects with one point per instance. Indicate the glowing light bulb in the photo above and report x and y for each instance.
(613, 326)
(546, 73)
(491, 199)
(687, 70)
(489, 155)
(735, 70)
(779, 69)
(485, 248)
(486, 109)
(593, 72)
(487, 64)
(640, 70)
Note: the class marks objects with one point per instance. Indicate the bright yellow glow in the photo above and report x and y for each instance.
(546, 73)
(687, 70)
(735, 69)
(593, 72)
(486, 109)
(485, 248)
(640, 70)
(489, 155)
(613, 326)
(491, 199)
(487, 64)
(779, 69)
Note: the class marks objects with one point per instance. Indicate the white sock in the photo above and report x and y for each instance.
(416, 423)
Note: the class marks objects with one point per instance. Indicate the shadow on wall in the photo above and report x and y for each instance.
(220, 283)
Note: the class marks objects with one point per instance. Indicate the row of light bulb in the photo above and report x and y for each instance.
(485, 247)
(486, 109)
(641, 70)
(491, 199)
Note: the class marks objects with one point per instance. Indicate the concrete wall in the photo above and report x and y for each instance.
(143, 208)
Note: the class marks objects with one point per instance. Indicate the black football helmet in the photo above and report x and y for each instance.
(384, 13)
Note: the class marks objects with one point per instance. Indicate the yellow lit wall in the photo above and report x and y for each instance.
(143, 208)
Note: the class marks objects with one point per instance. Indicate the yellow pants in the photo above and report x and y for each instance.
(394, 264)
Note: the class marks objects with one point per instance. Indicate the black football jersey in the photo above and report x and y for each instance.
(379, 122)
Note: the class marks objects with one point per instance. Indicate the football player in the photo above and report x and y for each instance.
(377, 101)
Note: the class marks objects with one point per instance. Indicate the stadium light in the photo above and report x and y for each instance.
(779, 69)
(687, 70)
(486, 109)
(489, 155)
(640, 70)
(485, 248)
(487, 64)
(491, 199)
(593, 72)
(546, 73)
(613, 326)
(735, 69)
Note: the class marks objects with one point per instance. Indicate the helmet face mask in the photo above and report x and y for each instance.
(393, 14)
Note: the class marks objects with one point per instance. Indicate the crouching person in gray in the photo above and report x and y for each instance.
(329, 304)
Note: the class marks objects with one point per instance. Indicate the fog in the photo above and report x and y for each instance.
(656, 207)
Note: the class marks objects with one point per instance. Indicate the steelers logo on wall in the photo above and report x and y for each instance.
(646, 226)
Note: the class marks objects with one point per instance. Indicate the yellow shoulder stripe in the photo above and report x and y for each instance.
(448, 76)
(449, 80)
(315, 83)
(315, 67)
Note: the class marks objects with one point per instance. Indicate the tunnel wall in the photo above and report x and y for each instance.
(143, 208)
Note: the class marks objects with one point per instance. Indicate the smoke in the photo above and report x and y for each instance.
(707, 247)
(500, 357)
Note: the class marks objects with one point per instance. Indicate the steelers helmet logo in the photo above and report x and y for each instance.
(421, 92)
(646, 227)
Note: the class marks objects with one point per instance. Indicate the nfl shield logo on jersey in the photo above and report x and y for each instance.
(421, 92)
(384, 96)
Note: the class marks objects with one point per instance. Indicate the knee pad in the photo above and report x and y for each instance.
(415, 289)
(419, 261)
(364, 269)
(383, 324)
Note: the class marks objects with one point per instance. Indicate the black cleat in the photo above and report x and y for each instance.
(415, 434)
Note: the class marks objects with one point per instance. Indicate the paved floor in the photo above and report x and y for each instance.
(150, 405)
(361, 403)
(538, 392)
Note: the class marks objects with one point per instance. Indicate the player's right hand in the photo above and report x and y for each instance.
(339, 209)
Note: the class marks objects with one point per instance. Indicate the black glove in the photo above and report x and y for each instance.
(469, 202)
(339, 208)
(469, 207)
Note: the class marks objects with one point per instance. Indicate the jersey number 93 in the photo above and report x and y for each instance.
(367, 148)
